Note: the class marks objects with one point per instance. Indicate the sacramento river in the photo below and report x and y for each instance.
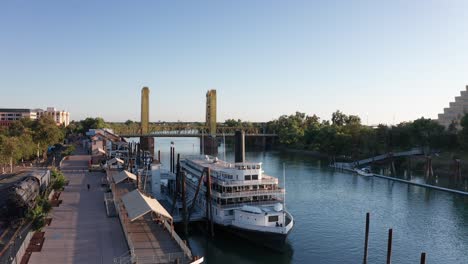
(329, 209)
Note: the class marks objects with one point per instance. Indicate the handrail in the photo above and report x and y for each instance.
(247, 193)
(237, 205)
(179, 241)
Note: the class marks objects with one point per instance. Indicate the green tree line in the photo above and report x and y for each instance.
(345, 135)
(25, 139)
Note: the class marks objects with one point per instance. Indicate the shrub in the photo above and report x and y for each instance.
(70, 149)
(58, 180)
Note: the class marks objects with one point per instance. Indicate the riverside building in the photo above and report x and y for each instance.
(456, 110)
(9, 115)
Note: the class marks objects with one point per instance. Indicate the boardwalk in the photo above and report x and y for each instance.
(80, 231)
(150, 242)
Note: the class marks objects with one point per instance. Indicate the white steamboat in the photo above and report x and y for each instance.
(243, 198)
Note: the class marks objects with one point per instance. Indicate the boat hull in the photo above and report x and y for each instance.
(269, 240)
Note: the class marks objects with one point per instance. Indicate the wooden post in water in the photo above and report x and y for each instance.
(457, 171)
(393, 167)
(173, 160)
(184, 201)
(389, 246)
(423, 258)
(429, 170)
(170, 160)
(159, 156)
(366, 242)
(178, 174)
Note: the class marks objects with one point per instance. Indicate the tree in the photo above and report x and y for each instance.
(233, 122)
(92, 123)
(47, 133)
(338, 118)
(10, 149)
(353, 120)
(291, 128)
(463, 134)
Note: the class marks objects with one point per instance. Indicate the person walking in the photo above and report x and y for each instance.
(88, 186)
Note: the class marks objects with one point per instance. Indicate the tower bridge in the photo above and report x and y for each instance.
(209, 133)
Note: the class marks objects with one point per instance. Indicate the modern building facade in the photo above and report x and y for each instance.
(456, 110)
(9, 115)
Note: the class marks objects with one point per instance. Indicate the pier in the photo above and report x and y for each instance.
(147, 226)
(350, 166)
(422, 185)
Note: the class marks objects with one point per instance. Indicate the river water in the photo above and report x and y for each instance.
(329, 209)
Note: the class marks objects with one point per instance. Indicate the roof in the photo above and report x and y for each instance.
(138, 204)
(11, 179)
(114, 160)
(123, 175)
(15, 110)
(107, 134)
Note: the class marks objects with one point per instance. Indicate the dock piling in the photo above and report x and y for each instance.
(366, 242)
(389, 246)
(423, 258)
(184, 199)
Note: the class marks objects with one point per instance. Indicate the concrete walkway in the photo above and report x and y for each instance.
(80, 231)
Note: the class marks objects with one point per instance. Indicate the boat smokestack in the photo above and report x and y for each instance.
(239, 146)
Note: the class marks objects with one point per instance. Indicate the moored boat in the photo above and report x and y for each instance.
(243, 198)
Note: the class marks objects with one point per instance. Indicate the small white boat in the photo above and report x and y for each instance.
(366, 172)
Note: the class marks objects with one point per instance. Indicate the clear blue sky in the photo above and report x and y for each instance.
(382, 60)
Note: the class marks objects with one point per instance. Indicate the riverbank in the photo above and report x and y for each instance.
(310, 153)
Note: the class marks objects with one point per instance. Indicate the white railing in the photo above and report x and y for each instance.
(178, 240)
(238, 205)
(125, 258)
(224, 182)
(248, 193)
(167, 258)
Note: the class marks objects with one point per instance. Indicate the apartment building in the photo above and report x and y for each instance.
(9, 115)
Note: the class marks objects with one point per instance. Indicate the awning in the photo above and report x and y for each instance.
(123, 175)
(114, 160)
(138, 204)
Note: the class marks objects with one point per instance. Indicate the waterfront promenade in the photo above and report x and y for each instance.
(80, 231)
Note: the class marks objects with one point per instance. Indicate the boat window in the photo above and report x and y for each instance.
(247, 177)
(254, 177)
(273, 218)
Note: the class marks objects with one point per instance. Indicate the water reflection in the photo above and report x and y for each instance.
(329, 208)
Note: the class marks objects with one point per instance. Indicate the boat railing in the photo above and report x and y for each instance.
(248, 193)
(224, 182)
(273, 229)
(237, 205)
(290, 224)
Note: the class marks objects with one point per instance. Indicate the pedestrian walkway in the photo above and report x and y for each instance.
(80, 231)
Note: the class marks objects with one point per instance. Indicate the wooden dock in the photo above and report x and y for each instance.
(149, 241)
(422, 185)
